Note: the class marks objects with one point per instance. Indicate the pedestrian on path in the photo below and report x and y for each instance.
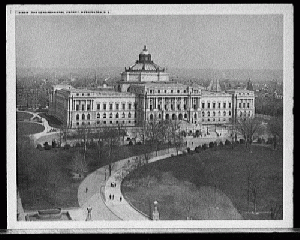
(89, 216)
(113, 196)
(86, 190)
(121, 199)
(109, 196)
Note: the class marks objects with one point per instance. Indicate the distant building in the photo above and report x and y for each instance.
(145, 93)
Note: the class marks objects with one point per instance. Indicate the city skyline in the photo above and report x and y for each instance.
(175, 41)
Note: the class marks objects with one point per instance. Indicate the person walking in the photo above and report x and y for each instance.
(109, 196)
(113, 196)
(89, 216)
(121, 199)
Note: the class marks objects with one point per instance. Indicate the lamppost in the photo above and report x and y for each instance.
(155, 214)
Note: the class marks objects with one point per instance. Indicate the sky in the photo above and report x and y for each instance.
(174, 41)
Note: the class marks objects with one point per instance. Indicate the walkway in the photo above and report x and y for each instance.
(96, 192)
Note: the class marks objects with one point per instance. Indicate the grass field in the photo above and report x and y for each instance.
(21, 116)
(38, 171)
(25, 128)
(224, 170)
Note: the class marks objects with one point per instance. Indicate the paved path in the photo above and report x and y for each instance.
(114, 198)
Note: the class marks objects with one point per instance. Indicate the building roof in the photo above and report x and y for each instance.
(145, 63)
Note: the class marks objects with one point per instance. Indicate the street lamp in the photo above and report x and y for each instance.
(155, 214)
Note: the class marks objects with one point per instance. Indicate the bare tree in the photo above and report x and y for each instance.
(154, 134)
(112, 139)
(275, 126)
(247, 127)
(253, 185)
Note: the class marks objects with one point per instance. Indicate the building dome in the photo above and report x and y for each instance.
(145, 63)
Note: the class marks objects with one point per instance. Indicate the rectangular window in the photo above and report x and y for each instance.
(224, 105)
(219, 105)
(77, 107)
(117, 106)
(82, 107)
(244, 105)
(208, 105)
(240, 105)
(88, 107)
(110, 106)
(104, 106)
(214, 105)
(248, 105)
(123, 105)
(98, 106)
(203, 105)
(129, 106)
(104, 122)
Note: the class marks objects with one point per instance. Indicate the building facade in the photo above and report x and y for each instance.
(143, 94)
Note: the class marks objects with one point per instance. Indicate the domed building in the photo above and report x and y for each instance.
(144, 70)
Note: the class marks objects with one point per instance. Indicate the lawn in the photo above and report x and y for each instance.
(26, 128)
(44, 180)
(21, 116)
(222, 169)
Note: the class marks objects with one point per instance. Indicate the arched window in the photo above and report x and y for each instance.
(219, 113)
(195, 116)
(77, 116)
(185, 115)
(123, 115)
(173, 116)
(151, 116)
(117, 115)
(224, 113)
(83, 117)
(129, 115)
(88, 117)
(159, 116)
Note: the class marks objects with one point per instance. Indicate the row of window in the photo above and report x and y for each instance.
(244, 105)
(105, 106)
(104, 115)
(216, 105)
(167, 91)
(105, 122)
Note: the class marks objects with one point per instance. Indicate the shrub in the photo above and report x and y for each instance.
(227, 142)
(67, 146)
(77, 144)
(198, 149)
(139, 143)
(130, 143)
(204, 146)
(242, 141)
(48, 147)
(53, 144)
(215, 144)
(188, 150)
(259, 141)
(221, 144)
(39, 147)
(211, 145)
(270, 141)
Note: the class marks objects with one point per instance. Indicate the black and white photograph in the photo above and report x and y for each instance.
(143, 118)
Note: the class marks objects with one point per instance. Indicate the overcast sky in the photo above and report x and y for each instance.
(175, 41)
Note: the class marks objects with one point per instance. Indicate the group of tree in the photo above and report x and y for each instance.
(158, 132)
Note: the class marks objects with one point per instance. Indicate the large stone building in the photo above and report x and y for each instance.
(145, 93)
